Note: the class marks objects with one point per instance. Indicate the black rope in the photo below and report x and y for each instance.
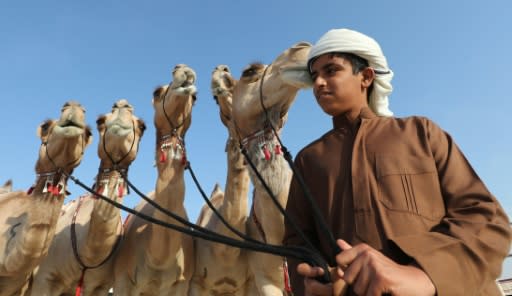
(116, 163)
(215, 211)
(276, 202)
(296, 252)
(174, 129)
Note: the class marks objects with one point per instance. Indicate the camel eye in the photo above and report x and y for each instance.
(249, 72)
(100, 121)
(46, 125)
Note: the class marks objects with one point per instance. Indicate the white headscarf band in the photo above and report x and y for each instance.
(349, 41)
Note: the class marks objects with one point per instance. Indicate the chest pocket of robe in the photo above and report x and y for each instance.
(409, 184)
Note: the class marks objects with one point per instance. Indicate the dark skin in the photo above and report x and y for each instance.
(369, 272)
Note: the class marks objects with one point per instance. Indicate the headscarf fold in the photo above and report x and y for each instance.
(349, 41)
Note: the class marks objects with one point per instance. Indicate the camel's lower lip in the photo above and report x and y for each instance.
(71, 124)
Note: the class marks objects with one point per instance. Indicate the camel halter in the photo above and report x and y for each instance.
(50, 186)
(174, 128)
(115, 164)
(45, 144)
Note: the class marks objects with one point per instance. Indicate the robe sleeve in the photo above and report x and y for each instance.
(464, 253)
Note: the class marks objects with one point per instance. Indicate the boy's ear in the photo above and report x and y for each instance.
(368, 76)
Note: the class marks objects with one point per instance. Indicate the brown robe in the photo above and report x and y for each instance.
(403, 187)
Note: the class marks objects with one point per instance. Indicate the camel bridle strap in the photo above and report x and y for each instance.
(257, 222)
(226, 117)
(57, 169)
(174, 128)
(115, 164)
(74, 243)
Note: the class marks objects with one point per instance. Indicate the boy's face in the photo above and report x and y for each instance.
(336, 88)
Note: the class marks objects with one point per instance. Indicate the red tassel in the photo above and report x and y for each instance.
(277, 149)
(266, 152)
(287, 286)
(120, 190)
(55, 190)
(99, 191)
(163, 156)
(30, 190)
(79, 289)
(184, 159)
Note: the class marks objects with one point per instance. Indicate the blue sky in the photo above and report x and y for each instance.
(450, 59)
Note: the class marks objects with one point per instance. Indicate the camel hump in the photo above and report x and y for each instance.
(216, 189)
(7, 187)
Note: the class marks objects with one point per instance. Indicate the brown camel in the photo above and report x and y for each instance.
(221, 269)
(29, 219)
(93, 224)
(275, 87)
(154, 260)
(7, 187)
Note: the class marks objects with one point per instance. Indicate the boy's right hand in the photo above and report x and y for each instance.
(312, 287)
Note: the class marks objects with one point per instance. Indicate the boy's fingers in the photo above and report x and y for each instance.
(307, 270)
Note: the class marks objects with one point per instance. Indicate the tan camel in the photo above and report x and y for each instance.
(7, 187)
(90, 229)
(29, 219)
(279, 84)
(154, 260)
(221, 269)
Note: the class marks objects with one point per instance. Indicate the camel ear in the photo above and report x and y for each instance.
(297, 76)
(157, 94)
(43, 128)
(100, 123)
(88, 135)
(142, 126)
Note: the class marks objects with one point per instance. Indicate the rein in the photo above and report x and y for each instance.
(297, 252)
(74, 243)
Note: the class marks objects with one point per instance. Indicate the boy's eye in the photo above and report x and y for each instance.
(330, 70)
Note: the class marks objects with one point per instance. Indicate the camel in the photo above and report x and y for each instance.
(278, 85)
(29, 219)
(92, 223)
(221, 269)
(153, 260)
(7, 187)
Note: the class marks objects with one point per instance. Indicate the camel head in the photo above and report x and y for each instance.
(222, 85)
(275, 86)
(120, 133)
(63, 140)
(173, 103)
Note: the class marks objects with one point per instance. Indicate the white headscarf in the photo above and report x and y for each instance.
(349, 41)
